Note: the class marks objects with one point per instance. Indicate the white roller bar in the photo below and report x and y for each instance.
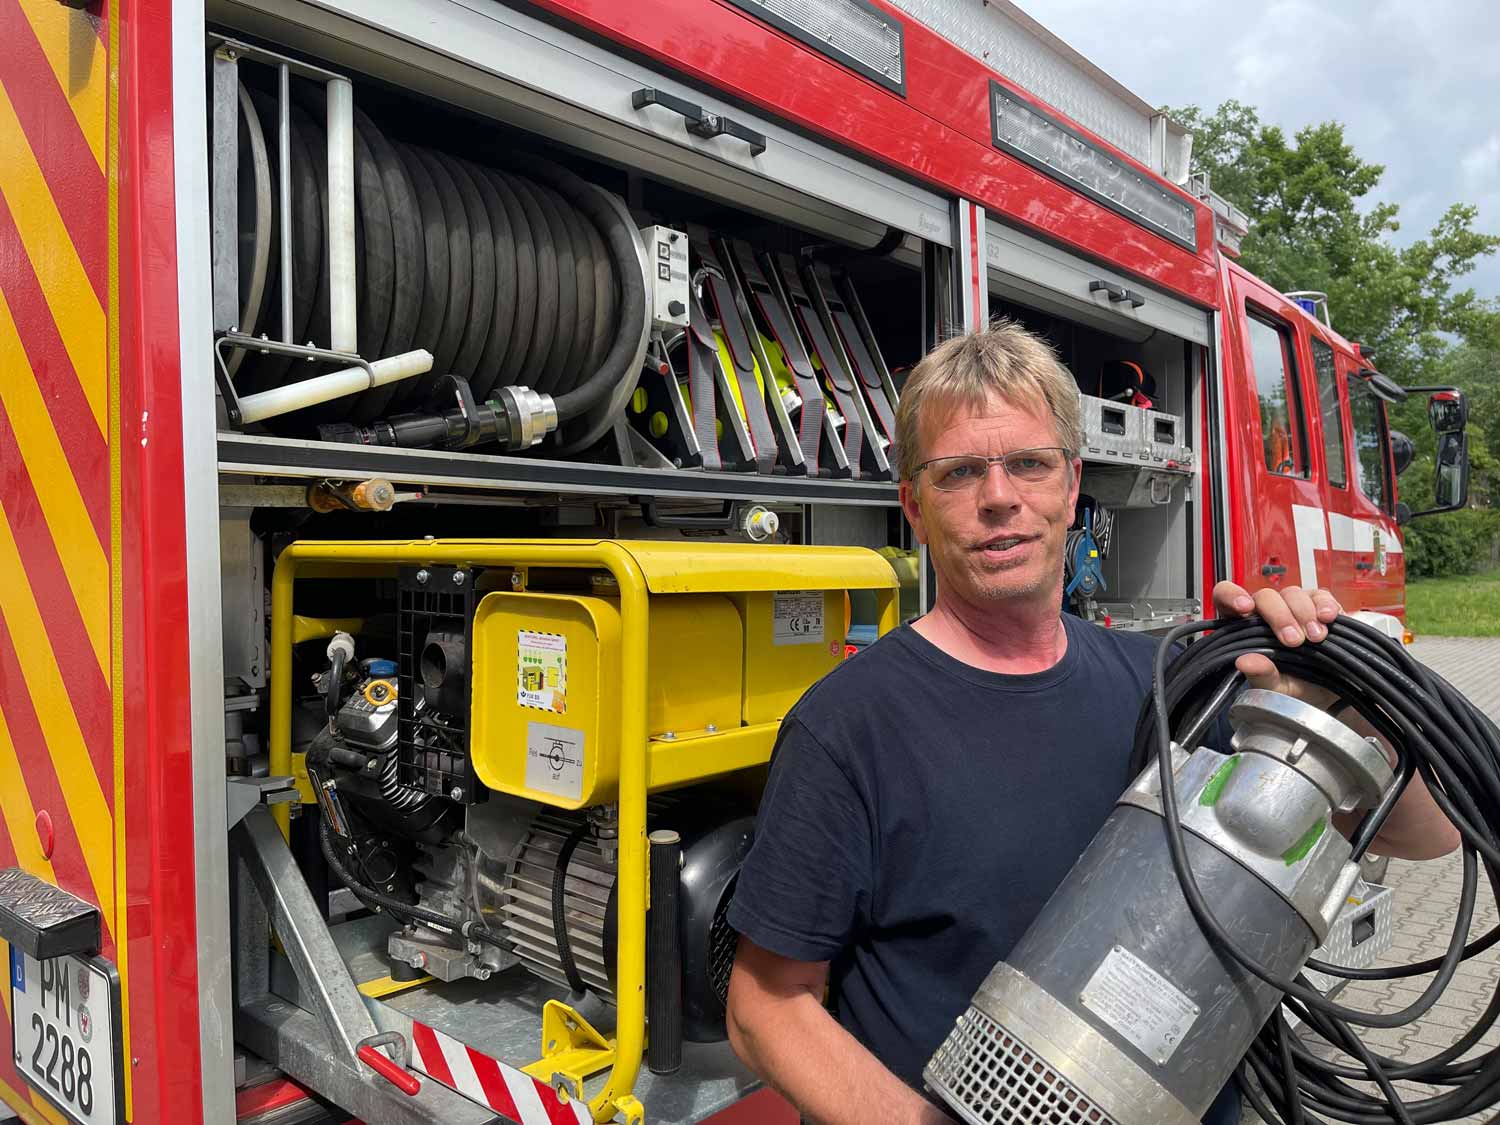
(336, 384)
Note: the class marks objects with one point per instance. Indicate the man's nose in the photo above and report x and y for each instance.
(997, 490)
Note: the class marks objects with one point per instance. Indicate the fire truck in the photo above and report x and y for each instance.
(439, 440)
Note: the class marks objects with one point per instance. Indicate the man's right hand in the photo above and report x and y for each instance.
(779, 1028)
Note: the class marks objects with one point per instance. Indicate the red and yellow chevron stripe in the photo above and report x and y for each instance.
(61, 725)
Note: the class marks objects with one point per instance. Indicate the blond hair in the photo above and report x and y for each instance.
(1002, 361)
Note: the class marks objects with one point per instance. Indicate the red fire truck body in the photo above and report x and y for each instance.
(137, 524)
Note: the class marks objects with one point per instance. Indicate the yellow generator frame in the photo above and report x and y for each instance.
(640, 569)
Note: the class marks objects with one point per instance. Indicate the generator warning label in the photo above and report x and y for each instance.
(554, 760)
(1143, 1006)
(542, 671)
(797, 618)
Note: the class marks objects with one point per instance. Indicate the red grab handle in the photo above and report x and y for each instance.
(399, 1077)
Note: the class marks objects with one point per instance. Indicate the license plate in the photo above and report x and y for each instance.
(65, 1025)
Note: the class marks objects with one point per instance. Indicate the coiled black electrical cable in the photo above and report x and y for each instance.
(1439, 736)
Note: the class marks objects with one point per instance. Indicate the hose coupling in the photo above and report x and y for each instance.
(523, 416)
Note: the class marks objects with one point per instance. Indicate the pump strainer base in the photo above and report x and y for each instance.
(1001, 1067)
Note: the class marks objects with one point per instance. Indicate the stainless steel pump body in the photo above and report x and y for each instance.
(1114, 1005)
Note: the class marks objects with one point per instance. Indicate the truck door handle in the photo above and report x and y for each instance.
(1270, 569)
(1362, 565)
(700, 122)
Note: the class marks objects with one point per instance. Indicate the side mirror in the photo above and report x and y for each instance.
(1453, 470)
(1403, 450)
(1403, 513)
(1448, 411)
(1452, 475)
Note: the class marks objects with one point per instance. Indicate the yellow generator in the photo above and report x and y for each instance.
(525, 754)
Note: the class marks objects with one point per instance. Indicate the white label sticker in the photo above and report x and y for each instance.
(542, 671)
(1138, 1002)
(554, 760)
(797, 618)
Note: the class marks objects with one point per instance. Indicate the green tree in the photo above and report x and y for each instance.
(1308, 230)
(1313, 227)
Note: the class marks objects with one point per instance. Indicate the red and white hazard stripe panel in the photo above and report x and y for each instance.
(503, 1088)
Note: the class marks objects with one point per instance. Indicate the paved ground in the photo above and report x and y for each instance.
(1427, 898)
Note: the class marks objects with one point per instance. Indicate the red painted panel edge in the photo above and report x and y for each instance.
(162, 933)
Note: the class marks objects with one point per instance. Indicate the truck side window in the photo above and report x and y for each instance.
(1369, 444)
(1282, 428)
(1333, 414)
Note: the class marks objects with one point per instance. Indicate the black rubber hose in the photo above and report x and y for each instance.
(482, 270)
(521, 341)
(459, 263)
(506, 279)
(1439, 736)
(408, 245)
(604, 298)
(404, 911)
(583, 281)
(434, 261)
(377, 288)
(544, 324)
(335, 690)
(502, 314)
(619, 362)
(565, 292)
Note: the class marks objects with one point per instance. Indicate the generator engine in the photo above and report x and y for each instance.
(504, 881)
(469, 772)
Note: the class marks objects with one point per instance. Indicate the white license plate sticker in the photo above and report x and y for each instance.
(65, 1015)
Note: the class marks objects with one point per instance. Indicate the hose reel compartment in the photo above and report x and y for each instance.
(523, 277)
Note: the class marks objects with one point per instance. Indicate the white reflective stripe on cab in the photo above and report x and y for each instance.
(1320, 530)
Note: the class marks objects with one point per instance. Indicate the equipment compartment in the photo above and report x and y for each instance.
(1134, 551)
(445, 281)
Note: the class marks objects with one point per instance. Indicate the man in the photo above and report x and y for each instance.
(927, 797)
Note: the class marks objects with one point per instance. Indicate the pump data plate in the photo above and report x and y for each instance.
(65, 1024)
(1143, 1006)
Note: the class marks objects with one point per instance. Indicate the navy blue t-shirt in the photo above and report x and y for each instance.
(919, 814)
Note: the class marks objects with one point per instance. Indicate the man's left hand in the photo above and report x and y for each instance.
(1296, 616)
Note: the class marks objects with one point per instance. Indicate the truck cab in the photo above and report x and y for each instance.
(1311, 458)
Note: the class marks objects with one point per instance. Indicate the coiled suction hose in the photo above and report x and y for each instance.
(1439, 736)
(526, 276)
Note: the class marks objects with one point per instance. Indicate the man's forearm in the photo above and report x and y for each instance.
(1416, 827)
(797, 1047)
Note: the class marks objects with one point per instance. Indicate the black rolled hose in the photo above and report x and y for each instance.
(1438, 735)
(526, 276)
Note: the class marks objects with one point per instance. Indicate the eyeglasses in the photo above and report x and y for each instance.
(1024, 466)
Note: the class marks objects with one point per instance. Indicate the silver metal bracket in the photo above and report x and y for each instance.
(245, 793)
(319, 1048)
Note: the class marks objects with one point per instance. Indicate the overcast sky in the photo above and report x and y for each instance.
(1416, 85)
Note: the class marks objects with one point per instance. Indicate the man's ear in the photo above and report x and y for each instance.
(912, 506)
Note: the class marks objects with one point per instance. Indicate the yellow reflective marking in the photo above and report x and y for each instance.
(87, 812)
(45, 1112)
(73, 535)
(13, 1099)
(19, 812)
(76, 56)
(65, 285)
